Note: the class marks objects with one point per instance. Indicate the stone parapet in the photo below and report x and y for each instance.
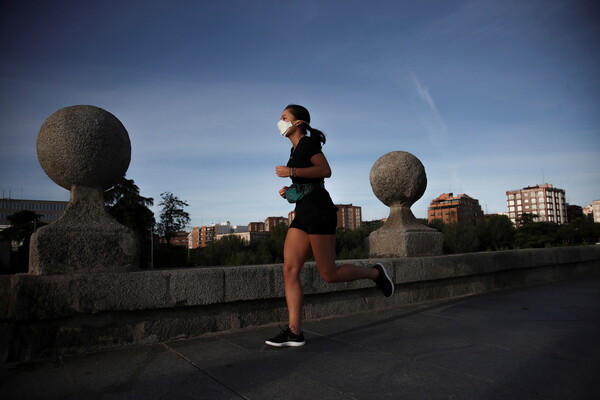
(47, 315)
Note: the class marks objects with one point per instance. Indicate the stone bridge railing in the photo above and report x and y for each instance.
(49, 315)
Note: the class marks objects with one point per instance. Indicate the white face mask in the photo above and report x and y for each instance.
(284, 127)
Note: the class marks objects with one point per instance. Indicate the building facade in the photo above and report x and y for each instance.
(545, 202)
(271, 222)
(596, 210)
(348, 216)
(248, 237)
(202, 236)
(49, 210)
(256, 227)
(179, 239)
(452, 209)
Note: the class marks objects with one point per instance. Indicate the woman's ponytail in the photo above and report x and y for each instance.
(315, 133)
(302, 114)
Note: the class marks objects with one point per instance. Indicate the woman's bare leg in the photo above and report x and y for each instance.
(323, 248)
(295, 251)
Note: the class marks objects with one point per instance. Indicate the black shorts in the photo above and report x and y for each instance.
(316, 222)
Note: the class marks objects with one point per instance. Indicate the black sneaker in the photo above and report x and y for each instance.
(286, 338)
(384, 282)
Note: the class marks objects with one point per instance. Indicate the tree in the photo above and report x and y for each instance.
(460, 238)
(22, 225)
(124, 203)
(173, 217)
(536, 235)
(495, 233)
(527, 218)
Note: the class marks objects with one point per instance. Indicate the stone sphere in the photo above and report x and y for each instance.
(398, 178)
(85, 146)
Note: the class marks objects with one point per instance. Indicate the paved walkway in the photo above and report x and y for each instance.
(535, 343)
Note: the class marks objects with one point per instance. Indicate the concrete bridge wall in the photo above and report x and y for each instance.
(48, 315)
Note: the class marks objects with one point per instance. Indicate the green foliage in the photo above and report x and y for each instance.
(231, 250)
(173, 217)
(497, 233)
(124, 203)
(350, 244)
(536, 235)
(22, 225)
(460, 238)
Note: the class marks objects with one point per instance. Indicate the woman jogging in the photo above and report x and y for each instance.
(314, 225)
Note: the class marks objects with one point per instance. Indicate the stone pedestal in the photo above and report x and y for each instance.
(398, 179)
(403, 236)
(85, 238)
(86, 150)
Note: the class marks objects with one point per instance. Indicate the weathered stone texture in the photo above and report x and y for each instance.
(55, 314)
(85, 146)
(84, 149)
(85, 238)
(398, 179)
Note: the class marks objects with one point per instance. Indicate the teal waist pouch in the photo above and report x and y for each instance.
(297, 191)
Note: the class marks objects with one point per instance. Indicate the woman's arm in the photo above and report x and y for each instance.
(320, 169)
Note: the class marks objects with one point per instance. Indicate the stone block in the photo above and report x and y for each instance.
(139, 290)
(511, 259)
(5, 293)
(392, 243)
(198, 286)
(544, 257)
(589, 253)
(474, 263)
(569, 255)
(248, 283)
(58, 251)
(42, 297)
(428, 268)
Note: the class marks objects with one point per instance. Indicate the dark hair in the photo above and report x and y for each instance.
(302, 114)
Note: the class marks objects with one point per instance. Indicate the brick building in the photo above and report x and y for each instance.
(179, 239)
(271, 222)
(545, 202)
(348, 216)
(452, 209)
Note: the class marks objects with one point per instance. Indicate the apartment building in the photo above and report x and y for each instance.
(348, 216)
(596, 210)
(256, 227)
(271, 222)
(451, 209)
(49, 210)
(545, 202)
(179, 239)
(202, 236)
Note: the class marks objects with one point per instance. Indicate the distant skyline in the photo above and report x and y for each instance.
(491, 96)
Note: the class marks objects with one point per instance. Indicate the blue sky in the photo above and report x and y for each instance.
(490, 95)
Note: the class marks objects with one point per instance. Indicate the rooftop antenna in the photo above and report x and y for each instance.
(543, 178)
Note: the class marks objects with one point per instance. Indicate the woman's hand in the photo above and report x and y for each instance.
(283, 171)
(283, 190)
